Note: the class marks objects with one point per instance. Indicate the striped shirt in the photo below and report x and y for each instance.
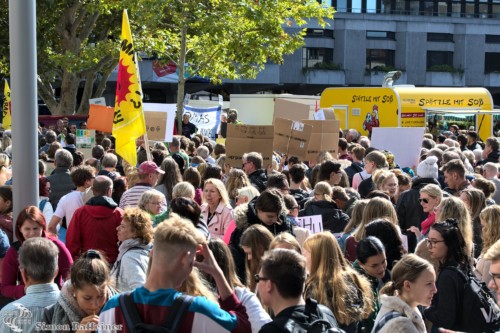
(130, 197)
(27, 313)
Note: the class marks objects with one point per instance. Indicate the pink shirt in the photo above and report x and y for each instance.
(219, 222)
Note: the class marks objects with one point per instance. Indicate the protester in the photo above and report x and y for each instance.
(354, 221)
(173, 257)
(150, 202)
(490, 223)
(454, 177)
(430, 197)
(246, 194)
(388, 233)
(280, 284)
(252, 164)
(43, 198)
(412, 285)
(169, 178)
(285, 240)
(334, 283)
(193, 176)
(374, 160)
(216, 210)
(83, 296)
(6, 224)
(188, 128)
(38, 259)
(187, 208)
(475, 202)
(493, 255)
(135, 234)
(30, 223)
(236, 179)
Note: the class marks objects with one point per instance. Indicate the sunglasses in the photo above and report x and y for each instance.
(258, 278)
(424, 200)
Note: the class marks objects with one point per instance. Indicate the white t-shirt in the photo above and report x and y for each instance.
(68, 204)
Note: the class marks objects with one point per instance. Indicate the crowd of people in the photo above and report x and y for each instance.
(110, 246)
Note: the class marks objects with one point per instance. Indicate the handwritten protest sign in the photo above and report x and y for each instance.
(160, 120)
(206, 119)
(85, 138)
(312, 223)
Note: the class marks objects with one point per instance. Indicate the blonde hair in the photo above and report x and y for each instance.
(493, 252)
(407, 268)
(177, 233)
(4, 160)
(219, 185)
(323, 156)
(258, 239)
(453, 207)
(285, 240)
(140, 222)
(477, 201)
(376, 208)
(380, 177)
(490, 217)
(196, 285)
(356, 215)
(183, 190)
(433, 191)
(333, 282)
(324, 189)
(236, 179)
(248, 191)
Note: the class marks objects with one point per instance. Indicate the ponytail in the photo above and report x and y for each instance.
(389, 289)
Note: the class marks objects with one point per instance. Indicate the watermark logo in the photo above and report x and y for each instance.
(18, 318)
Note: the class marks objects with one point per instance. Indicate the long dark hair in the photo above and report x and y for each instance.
(388, 234)
(457, 249)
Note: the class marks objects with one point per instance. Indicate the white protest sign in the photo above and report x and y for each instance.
(403, 142)
(312, 223)
(85, 138)
(98, 101)
(319, 115)
(160, 119)
(207, 120)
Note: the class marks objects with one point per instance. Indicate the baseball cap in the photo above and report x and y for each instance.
(149, 167)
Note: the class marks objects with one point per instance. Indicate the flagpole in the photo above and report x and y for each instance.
(146, 140)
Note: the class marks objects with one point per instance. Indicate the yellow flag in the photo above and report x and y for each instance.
(128, 121)
(7, 108)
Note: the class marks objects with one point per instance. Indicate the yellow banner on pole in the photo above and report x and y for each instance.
(7, 108)
(128, 120)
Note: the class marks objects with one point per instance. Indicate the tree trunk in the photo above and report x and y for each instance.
(182, 81)
(69, 90)
(87, 93)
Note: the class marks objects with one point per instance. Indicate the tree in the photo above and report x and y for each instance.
(78, 40)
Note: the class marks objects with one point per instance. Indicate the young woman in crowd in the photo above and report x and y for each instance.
(30, 223)
(150, 202)
(285, 241)
(490, 222)
(43, 198)
(256, 313)
(193, 176)
(268, 209)
(413, 284)
(83, 296)
(487, 187)
(236, 179)
(475, 201)
(374, 161)
(255, 241)
(5, 170)
(120, 186)
(135, 235)
(187, 208)
(170, 178)
(372, 264)
(447, 245)
(390, 236)
(376, 208)
(216, 211)
(386, 181)
(334, 219)
(356, 217)
(430, 197)
(6, 212)
(334, 283)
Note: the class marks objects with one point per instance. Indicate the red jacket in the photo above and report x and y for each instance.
(93, 226)
(11, 275)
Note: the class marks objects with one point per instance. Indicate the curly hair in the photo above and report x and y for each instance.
(140, 222)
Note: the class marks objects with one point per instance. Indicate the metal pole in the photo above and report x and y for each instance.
(23, 68)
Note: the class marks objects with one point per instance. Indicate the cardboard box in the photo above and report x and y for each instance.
(324, 137)
(291, 137)
(300, 108)
(245, 139)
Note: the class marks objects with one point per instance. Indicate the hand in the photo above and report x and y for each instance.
(205, 261)
(89, 322)
(415, 230)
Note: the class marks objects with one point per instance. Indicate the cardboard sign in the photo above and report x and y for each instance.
(312, 223)
(243, 139)
(207, 120)
(324, 137)
(85, 138)
(403, 142)
(101, 118)
(291, 137)
(160, 119)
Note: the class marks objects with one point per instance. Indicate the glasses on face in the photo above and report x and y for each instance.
(424, 200)
(156, 203)
(495, 278)
(433, 242)
(258, 278)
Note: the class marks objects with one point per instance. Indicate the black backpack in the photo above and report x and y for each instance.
(480, 312)
(318, 321)
(135, 324)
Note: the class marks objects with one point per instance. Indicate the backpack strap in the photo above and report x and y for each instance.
(127, 305)
(179, 307)
(42, 204)
(385, 319)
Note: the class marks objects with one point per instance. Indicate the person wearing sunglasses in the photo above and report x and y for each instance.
(430, 197)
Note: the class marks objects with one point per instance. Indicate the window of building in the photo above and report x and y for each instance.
(491, 62)
(374, 34)
(315, 57)
(439, 37)
(492, 39)
(319, 33)
(439, 58)
(379, 58)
